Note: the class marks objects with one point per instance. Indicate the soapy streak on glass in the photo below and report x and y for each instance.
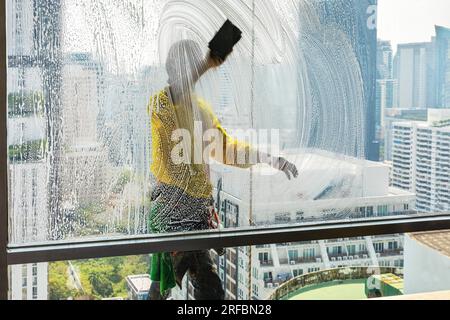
(307, 83)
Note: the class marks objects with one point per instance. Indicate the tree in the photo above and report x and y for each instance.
(58, 288)
(101, 285)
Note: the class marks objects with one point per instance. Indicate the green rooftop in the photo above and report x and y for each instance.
(333, 290)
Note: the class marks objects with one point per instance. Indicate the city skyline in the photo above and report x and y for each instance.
(405, 21)
(400, 21)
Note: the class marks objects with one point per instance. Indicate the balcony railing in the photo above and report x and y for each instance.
(389, 253)
(289, 288)
(266, 263)
(300, 260)
(345, 256)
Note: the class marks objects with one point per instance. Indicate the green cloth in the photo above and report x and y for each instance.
(162, 269)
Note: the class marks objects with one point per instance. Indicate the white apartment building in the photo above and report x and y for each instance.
(421, 160)
(364, 192)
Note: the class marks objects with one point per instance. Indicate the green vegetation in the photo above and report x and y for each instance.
(22, 104)
(58, 282)
(28, 151)
(100, 278)
(122, 181)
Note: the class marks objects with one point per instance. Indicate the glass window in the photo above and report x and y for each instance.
(392, 245)
(293, 255)
(84, 135)
(24, 275)
(379, 247)
(35, 293)
(108, 123)
(308, 253)
(351, 249)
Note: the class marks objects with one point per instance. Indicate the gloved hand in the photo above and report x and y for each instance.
(287, 167)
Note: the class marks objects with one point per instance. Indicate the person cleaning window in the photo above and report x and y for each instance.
(182, 198)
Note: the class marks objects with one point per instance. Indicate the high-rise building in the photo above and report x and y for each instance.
(411, 71)
(421, 153)
(386, 90)
(442, 69)
(385, 69)
(391, 116)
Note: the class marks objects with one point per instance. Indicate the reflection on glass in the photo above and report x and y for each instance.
(299, 84)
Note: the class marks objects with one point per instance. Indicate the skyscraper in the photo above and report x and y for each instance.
(385, 92)
(442, 60)
(384, 60)
(411, 72)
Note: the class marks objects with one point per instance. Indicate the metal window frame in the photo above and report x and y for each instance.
(83, 249)
(3, 158)
(226, 238)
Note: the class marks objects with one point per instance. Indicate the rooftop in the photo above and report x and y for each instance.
(336, 290)
(436, 118)
(346, 283)
(437, 240)
(139, 283)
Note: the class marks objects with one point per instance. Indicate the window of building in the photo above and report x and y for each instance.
(393, 245)
(362, 247)
(351, 249)
(264, 257)
(379, 246)
(382, 210)
(297, 272)
(309, 253)
(282, 217)
(24, 275)
(35, 293)
(311, 270)
(300, 216)
(293, 255)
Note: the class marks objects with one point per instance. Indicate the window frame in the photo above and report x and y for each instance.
(84, 249)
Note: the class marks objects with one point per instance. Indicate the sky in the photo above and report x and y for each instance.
(403, 21)
(400, 21)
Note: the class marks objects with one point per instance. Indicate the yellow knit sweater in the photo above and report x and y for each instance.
(165, 118)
